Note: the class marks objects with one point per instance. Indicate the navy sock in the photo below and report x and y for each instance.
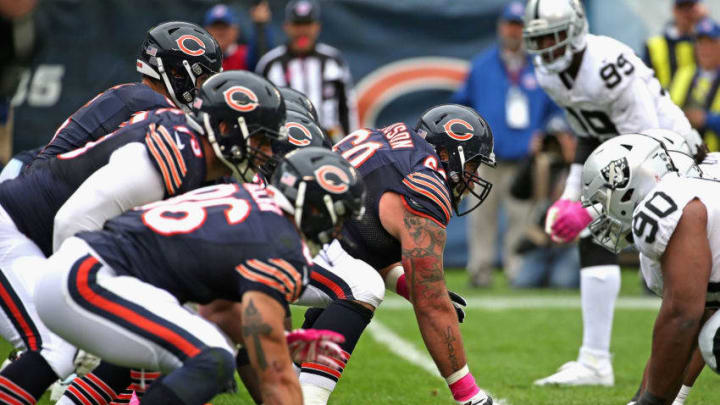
(99, 387)
(27, 378)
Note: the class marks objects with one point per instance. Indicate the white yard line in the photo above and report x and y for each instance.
(500, 303)
(408, 351)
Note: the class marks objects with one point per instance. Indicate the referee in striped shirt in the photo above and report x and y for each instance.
(316, 69)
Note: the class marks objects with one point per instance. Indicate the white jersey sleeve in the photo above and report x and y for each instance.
(129, 179)
(657, 216)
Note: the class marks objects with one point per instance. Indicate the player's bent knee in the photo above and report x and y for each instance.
(220, 361)
(708, 342)
(372, 290)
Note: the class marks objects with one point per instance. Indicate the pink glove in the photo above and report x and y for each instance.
(569, 221)
(316, 346)
(134, 399)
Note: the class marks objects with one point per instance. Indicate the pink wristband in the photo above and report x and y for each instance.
(401, 287)
(464, 388)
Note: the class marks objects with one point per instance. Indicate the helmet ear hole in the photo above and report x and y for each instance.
(627, 196)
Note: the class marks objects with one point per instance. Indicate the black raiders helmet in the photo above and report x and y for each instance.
(322, 190)
(460, 137)
(249, 105)
(177, 53)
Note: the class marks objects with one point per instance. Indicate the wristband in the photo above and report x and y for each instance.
(462, 384)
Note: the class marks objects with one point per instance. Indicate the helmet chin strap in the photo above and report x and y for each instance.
(299, 202)
(187, 96)
(216, 148)
(168, 86)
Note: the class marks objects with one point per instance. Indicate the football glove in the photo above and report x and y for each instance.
(459, 303)
(315, 346)
(566, 219)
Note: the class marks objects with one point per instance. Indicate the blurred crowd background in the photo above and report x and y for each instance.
(381, 62)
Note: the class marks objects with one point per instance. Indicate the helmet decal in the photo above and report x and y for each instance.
(617, 173)
(240, 98)
(332, 179)
(459, 137)
(294, 139)
(187, 39)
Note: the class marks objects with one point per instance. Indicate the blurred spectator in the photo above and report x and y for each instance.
(541, 179)
(673, 49)
(17, 40)
(315, 69)
(223, 24)
(501, 86)
(697, 89)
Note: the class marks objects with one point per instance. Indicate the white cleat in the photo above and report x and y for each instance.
(575, 373)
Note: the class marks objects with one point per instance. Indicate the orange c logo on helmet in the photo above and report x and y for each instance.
(460, 137)
(187, 37)
(332, 179)
(294, 139)
(240, 98)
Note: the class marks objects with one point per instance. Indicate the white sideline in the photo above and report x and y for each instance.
(408, 351)
(501, 303)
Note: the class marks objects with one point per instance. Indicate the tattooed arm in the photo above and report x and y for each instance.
(264, 336)
(423, 243)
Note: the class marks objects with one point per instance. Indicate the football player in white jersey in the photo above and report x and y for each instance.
(606, 90)
(673, 221)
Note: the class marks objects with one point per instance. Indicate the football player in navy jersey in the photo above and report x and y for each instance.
(174, 59)
(164, 153)
(239, 243)
(415, 180)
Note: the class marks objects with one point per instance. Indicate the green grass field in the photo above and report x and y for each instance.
(507, 349)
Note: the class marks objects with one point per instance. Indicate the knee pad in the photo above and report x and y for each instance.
(709, 341)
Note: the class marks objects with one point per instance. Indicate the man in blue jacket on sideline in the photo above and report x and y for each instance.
(501, 86)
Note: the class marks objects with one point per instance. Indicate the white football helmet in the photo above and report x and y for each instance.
(564, 21)
(680, 150)
(615, 178)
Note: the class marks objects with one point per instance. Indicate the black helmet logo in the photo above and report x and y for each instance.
(240, 98)
(448, 127)
(293, 137)
(332, 179)
(616, 173)
(188, 42)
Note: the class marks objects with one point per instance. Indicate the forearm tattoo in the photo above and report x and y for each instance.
(422, 259)
(253, 328)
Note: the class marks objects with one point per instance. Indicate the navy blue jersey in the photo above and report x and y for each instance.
(393, 159)
(216, 242)
(33, 198)
(102, 115)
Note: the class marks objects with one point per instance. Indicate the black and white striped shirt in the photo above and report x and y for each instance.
(323, 76)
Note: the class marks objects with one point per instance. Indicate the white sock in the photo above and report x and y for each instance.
(64, 401)
(314, 395)
(599, 287)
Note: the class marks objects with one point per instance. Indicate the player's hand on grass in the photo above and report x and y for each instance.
(316, 346)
